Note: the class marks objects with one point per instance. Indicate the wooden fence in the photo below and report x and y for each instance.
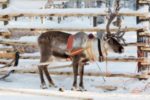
(143, 34)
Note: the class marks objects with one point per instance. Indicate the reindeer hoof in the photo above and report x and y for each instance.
(74, 88)
(61, 89)
(82, 89)
(52, 85)
(43, 86)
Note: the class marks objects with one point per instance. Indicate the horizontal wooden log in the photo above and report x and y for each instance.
(12, 42)
(3, 1)
(31, 70)
(144, 1)
(4, 55)
(67, 12)
(127, 59)
(145, 34)
(137, 44)
(146, 49)
(71, 29)
(103, 74)
(4, 19)
(7, 49)
(146, 64)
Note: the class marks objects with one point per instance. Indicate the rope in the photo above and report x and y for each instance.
(8, 64)
(100, 71)
(15, 61)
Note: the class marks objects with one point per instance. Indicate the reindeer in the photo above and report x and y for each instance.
(84, 48)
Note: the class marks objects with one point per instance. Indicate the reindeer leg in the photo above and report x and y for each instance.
(44, 58)
(75, 71)
(43, 85)
(81, 71)
(51, 83)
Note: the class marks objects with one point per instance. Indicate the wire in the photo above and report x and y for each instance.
(100, 71)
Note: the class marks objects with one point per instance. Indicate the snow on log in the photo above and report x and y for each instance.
(71, 29)
(15, 42)
(12, 11)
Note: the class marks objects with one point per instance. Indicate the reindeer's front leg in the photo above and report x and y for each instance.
(75, 71)
(81, 72)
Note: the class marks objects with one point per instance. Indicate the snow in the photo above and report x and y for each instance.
(30, 82)
(28, 4)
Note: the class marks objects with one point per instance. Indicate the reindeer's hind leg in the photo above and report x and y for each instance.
(45, 54)
(75, 71)
(51, 83)
(43, 85)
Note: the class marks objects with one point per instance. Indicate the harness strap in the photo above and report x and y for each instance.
(88, 49)
(70, 42)
(99, 48)
(78, 51)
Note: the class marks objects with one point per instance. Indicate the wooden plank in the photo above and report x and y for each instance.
(137, 44)
(34, 70)
(127, 59)
(7, 49)
(146, 49)
(144, 1)
(7, 55)
(145, 64)
(145, 34)
(15, 42)
(5, 34)
(12, 42)
(3, 1)
(67, 12)
(4, 19)
(71, 29)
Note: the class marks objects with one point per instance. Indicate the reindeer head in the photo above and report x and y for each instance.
(113, 39)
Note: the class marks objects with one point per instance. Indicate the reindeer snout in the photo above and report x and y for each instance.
(121, 50)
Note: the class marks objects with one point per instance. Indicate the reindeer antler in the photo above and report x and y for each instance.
(120, 33)
(112, 16)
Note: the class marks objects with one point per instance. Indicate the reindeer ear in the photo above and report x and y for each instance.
(91, 36)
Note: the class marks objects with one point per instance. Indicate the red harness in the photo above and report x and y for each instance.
(70, 46)
(70, 42)
(74, 52)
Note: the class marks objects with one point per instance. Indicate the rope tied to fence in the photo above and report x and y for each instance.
(15, 61)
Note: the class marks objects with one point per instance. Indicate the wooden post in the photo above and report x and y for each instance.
(94, 21)
(141, 39)
(4, 5)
